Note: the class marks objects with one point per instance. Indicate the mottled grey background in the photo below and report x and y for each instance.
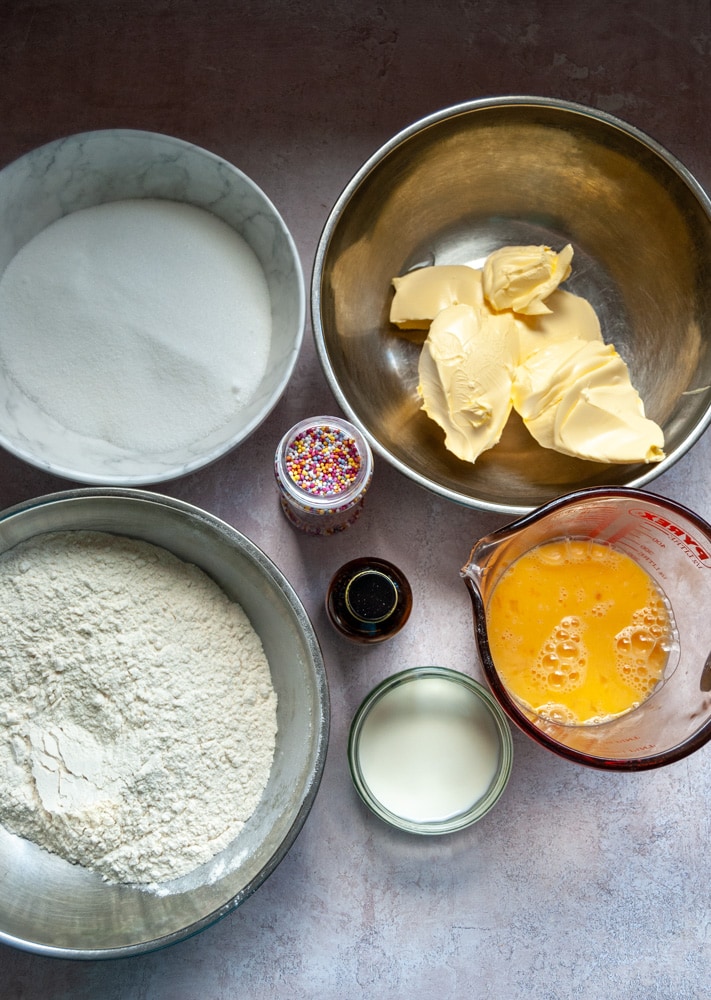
(580, 884)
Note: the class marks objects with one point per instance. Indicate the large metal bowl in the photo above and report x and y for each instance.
(519, 170)
(54, 908)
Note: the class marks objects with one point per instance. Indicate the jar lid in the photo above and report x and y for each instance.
(430, 751)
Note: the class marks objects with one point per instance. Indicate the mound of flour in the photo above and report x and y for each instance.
(137, 713)
(144, 323)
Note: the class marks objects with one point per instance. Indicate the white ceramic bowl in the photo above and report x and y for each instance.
(94, 168)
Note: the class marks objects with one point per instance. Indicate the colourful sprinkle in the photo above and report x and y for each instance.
(323, 460)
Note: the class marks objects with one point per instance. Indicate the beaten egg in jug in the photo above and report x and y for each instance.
(579, 632)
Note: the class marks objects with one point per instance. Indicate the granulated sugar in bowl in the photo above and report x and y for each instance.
(151, 307)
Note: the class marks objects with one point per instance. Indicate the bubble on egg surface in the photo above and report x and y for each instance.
(575, 551)
(641, 649)
(601, 608)
(548, 555)
(561, 664)
(561, 714)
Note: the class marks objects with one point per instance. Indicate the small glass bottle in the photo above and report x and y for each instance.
(323, 468)
(369, 600)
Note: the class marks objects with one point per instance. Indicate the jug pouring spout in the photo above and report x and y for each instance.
(486, 560)
(479, 574)
(493, 553)
(471, 574)
(473, 571)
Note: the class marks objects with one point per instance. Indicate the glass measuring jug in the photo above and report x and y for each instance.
(673, 546)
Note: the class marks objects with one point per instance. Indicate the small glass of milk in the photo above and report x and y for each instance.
(430, 751)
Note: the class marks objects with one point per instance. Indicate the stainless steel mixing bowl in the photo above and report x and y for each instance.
(54, 908)
(518, 170)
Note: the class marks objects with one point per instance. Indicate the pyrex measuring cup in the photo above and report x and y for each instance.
(673, 545)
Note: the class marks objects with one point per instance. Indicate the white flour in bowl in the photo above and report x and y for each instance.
(144, 323)
(137, 713)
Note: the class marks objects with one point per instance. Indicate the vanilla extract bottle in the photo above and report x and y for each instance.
(369, 600)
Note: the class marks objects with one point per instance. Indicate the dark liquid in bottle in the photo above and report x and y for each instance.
(369, 600)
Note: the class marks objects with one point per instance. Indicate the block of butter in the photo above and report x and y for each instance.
(507, 337)
(421, 294)
(466, 374)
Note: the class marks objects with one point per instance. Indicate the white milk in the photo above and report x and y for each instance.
(429, 749)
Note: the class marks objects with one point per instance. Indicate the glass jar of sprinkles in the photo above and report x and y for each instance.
(323, 467)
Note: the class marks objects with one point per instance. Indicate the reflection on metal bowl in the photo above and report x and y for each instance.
(457, 185)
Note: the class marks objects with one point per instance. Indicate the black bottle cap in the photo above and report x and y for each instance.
(369, 600)
(371, 596)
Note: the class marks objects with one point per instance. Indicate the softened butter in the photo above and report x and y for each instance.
(507, 337)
